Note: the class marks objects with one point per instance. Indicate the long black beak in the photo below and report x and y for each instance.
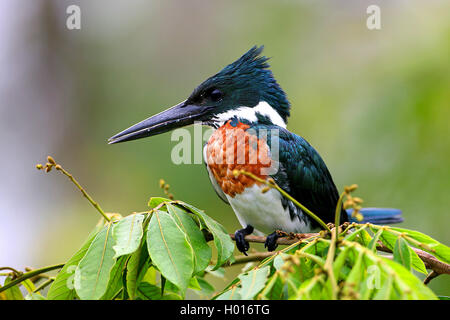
(178, 116)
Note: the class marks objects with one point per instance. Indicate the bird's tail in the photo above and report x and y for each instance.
(378, 215)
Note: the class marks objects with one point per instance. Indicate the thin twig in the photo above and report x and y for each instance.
(30, 274)
(272, 184)
(85, 194)
(14, 271)
(44, 284)
(332, 248)
(51, 163)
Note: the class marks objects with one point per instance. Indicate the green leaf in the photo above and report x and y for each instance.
(34, 296)
(355, 234)
(340, 261)
(253, 282)
(278, 261)
(169, 250)
(388, 239)
(373, 243)
(274, 288)
(365, 238)
(193, 284)
(63, 288)
(384, 292)
(137, 267)
(172, 288)
(93, 272)
(28, 285)
(231, 294)
(218, 273)
(147, 291)
(402, 253)
(115, 283)
(155, 201)
(417, 263)
(206, 288)
(12, 293)
(194, 236)
(354, 277)
(439, 250)
(171, 296)
(150, 275)
(410, 284)
(127, 233)
(222, 240)
(133, 273)
(310, 289)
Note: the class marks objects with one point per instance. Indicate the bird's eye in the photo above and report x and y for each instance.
(215, 95)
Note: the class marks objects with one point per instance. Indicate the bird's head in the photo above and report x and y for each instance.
(245, 89)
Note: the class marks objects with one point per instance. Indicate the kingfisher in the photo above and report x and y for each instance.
(248, 112)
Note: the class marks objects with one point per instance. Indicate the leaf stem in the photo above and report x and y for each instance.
(332, 249)
(351, 225)
(401, 234)
(44, 284)
(16, 272)
(31, 274)
(85, 194)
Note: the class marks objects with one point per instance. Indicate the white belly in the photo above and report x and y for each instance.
(265, 212)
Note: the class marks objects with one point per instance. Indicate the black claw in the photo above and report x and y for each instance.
(239, 237)
(241, 243)
(271, 241)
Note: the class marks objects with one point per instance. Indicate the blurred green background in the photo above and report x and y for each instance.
(375, 104)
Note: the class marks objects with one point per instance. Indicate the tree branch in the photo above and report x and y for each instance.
(438, 267)
(433, 274)
(287, 239)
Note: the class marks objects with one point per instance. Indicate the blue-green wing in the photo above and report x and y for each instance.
(304, 175)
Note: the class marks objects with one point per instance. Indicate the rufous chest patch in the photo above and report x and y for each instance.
(234, 146)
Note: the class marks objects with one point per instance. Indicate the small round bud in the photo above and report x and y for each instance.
(265, 189)
(236, 172)
(161, 183)
(348, 204)
(39, 166)
(351, 188)
(358, 200)
(58, 167)
(51, 160)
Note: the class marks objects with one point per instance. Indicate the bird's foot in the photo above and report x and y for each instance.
(271, 241)
(239, 237)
